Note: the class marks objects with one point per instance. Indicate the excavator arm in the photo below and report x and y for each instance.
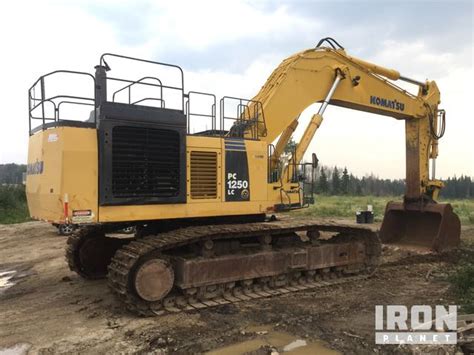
(308, 77)
(330, 76)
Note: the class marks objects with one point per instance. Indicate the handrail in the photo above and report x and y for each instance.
(102, 61)
(249, 112)
(42, 102)
(243, 107)
(143, 83)
(61, 71)
(74, 103)
(139, 82)
(150, 98)
(60, 96)
(188, 112)
(34, 102)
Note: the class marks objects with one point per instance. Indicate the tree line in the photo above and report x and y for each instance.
(337, 181)
(330, 181)
(12, 174)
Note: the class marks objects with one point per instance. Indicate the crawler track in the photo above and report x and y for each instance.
(124, 264)
(89, 251)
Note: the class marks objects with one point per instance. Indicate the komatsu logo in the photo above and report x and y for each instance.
(393, 104)
(35, 168)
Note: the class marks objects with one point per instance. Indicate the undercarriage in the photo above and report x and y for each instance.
(203, 266)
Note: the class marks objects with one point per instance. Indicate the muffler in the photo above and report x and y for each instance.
(421, 226)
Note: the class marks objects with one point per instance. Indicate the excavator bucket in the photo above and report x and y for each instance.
(430, 226)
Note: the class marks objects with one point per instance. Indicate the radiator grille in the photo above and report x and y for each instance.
(145, 162)
(203, 175)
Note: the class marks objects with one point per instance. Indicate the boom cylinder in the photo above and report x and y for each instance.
(315, 121)
(325, 103)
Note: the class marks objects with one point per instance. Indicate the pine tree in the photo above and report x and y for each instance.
(323, 185)
(290, 146)
(336, 181)
(11, 173)
(345, 181)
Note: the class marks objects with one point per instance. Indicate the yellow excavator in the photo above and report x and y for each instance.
(202, 189)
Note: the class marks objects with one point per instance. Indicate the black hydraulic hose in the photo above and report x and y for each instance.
(331, 41)
(437, 135)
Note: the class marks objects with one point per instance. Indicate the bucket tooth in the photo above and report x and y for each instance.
(430, 226)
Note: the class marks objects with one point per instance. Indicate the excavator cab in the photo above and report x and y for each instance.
(421, 226)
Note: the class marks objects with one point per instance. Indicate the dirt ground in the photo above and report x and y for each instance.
(45, 308)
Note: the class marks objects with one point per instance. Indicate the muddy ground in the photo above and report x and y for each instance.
(48, 309)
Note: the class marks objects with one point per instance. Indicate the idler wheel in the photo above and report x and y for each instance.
(153, 279)
(89, 252)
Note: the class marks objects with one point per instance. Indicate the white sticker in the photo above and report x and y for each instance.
(82, 216)
(53, 137)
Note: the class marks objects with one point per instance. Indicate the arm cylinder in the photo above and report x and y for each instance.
(385, 72)
(388, 73)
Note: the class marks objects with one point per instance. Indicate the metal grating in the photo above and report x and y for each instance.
(145, 162)
(203, 175)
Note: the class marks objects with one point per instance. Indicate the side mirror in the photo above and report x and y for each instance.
(315, 160)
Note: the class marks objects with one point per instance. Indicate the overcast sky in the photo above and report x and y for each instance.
(231, 47)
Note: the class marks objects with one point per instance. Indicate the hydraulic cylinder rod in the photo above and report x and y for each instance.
(325, 103)
(315, 122)
(386, 72)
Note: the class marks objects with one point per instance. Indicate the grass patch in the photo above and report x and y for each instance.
(462, 280)
(464, 209)
(13, 207)
(347, 206)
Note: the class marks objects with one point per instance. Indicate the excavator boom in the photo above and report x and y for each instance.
(330, 76)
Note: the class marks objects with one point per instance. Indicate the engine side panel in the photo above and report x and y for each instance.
(62, 167)
(213, 204)
(142, 155)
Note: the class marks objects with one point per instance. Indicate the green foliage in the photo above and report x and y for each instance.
(290, 146)
(345, 182)
(336, 181)
(347, 205)
(463, 284)
(464, 209)
(348, 184)
(458, 187)
(12, 173)
(322, 186)
(13, 208)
